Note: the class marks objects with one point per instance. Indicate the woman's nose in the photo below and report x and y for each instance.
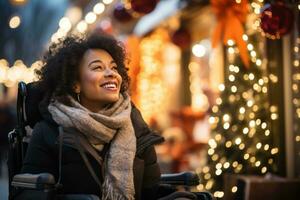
(109, 72)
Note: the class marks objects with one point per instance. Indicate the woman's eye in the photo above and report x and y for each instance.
(115, 68)
(98, 67)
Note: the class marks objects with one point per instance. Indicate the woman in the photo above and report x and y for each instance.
(107, 147)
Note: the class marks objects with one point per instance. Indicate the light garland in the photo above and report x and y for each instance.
(199, 99)
(295, 86)
(70, 23)
(154, 76)
(10, 76)
(149, 78)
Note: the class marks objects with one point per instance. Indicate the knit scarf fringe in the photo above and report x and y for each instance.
(111, 193)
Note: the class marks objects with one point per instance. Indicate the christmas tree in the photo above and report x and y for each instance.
(241, 138)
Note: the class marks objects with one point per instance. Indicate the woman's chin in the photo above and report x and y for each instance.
(112, 99)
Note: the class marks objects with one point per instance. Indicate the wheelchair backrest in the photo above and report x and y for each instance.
(28, 98)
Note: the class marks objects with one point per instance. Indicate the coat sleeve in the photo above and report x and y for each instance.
(151, 175)
(40, 156)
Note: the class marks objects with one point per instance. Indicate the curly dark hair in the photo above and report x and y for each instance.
(61, 62)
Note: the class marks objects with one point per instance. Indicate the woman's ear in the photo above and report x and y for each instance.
(76, 88)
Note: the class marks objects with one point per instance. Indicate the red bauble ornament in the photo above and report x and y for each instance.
(182, 38)
(276, 20)
(143, 6)
(121, 14)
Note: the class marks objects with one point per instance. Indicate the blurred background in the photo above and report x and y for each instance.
(218, 79)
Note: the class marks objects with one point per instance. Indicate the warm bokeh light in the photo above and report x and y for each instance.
(14, 22)
(99, 8)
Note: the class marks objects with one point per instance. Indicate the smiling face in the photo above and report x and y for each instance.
(99, 81)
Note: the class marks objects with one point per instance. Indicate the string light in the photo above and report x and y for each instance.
(218, 172)
(250, 47)
(263, 170)
(205, 169)
(211, 151)
(219, 194)
(221, 87)
(209, 184)
(234, 189)
(230, 42)
(199, 50)
(215, 109)
(231, 50)
(245, 130)
(82, 27)
(238, 141)
(270, 161)
(228, 144)
(218, 137)
(226, 165)
(14, 22)
(251, 76)
(218, 166)
(235, 164)
(215, 157)
(267, 132)
(226, 125)
(258, 122)
(246, 156)
(65, 24)
(10, 76)
(219, 101)
(257, 163)
(200, 187)
(245, 37)
(258, 145)
(274, 151)
(252, 159)
(212, 143)
(266, 147)
(90, 17)
(107, 1)
(231, 78)
(99, 8)
(241, 146)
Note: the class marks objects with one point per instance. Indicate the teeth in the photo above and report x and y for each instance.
(110, 85)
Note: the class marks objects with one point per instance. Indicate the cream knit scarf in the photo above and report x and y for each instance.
(110, 124)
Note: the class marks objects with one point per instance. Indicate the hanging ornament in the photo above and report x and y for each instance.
(143, 6)
(121, 13)
(276, 20)
(182, 38)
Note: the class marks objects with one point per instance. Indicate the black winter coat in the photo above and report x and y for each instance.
(43, 150)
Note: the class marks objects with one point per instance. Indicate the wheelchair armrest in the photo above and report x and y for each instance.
(183, 178)
(42, 186)
(34, 181)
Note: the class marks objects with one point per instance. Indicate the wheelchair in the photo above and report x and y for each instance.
(43, 185)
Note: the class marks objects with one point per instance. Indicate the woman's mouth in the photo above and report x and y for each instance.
(110, 86)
